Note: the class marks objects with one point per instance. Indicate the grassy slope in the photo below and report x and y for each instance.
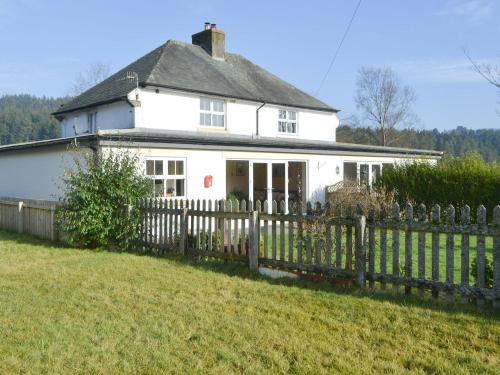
(65, 310)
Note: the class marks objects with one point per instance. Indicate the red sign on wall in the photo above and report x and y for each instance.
(208, 181)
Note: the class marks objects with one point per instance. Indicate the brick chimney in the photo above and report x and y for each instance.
(211, 40)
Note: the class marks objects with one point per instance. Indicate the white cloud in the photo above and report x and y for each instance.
(473, 11)
(458, 70)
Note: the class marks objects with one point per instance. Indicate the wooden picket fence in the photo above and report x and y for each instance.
(30, 216)
(365, 247)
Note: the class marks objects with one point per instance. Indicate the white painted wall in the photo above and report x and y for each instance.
(118, 115)
(34, 173)
(321, 169)
(174, 110)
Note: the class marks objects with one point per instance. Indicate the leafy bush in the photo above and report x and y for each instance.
(97, 192)
(458, 181)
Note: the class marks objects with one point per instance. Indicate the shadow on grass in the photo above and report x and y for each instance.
(440, 304)
(241, 270)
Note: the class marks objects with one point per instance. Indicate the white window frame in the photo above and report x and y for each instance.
(166, 176)
(287, 121)
(211, 112)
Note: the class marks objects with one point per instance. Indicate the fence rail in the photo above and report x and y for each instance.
(426, 251)
(35, 217)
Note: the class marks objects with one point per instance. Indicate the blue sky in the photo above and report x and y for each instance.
(45, 44)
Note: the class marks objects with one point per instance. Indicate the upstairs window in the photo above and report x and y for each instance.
(287, 122)
(212, 113)
(92, 122)
(168, 176)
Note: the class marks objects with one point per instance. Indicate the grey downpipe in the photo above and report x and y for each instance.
(257, 118)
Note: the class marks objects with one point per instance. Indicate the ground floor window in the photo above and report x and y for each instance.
(168, 176)
(364, 173)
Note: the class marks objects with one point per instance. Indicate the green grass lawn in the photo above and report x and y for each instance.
(65, 310)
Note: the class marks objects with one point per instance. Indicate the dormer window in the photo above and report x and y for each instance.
(212, 113)
(287, 122)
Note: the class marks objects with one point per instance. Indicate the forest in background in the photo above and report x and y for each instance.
(25, 118)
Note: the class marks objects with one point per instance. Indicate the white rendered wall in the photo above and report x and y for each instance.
(119, 115)
(321, 169)
(34, 173)
(174, 110)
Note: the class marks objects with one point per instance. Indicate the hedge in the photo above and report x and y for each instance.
(452, 180)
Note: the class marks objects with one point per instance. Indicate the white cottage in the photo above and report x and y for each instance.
(207, 123)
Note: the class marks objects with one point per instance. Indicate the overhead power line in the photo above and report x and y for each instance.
(339, 46)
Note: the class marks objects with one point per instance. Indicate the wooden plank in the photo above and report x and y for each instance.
(464, 251)
(348, 248)
(282, 232)
(395, 246)
(222, 226)
(198, 227)
(383, 249)
(408, 245)
(171, 224)
(210, 245)
(300, 237)
(450, 251)
(371, 246)
(481, 253)
(204, 226)
(273, 232)
(266, 232)
(236, 235)
(243, 208)
(496, 259)
(422, 217)
(216, 228)
(328, 246)
(230, 247)
(338, 240)
(436, 218)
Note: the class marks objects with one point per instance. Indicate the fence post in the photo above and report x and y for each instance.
(496, 258)
(183, 229)
(360, 249)
(253, 253)
(20, 217)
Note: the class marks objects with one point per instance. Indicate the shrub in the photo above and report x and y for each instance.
(97, 192)
(349, 195)
(452, 180)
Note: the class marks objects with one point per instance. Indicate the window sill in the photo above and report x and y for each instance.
(212, 129)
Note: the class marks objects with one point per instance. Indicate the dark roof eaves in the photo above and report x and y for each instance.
(102, 102)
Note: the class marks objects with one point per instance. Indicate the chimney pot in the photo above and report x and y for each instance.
(207, 25)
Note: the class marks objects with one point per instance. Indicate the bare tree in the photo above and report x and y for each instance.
(95, 74)
(384, 102)
(490, 72)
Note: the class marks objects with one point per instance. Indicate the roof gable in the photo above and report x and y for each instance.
(188, 67)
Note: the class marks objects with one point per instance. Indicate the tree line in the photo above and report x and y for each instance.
(457, 142)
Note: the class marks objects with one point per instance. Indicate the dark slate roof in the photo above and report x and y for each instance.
(188, 67)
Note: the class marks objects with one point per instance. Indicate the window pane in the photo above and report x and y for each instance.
(171, 167)
(218, 120)
(158, 188)
(205, 104)
(218, 106)
(282, 126)
(171, 188)
(291, 127)
(179, 186)
(179, 167)
(158, 167)
(205, 119)
(282, 114)
(292, 115)
(150, 167)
